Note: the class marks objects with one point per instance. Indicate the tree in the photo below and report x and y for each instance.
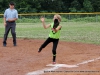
(75, 6)
(96, 5)
(51, 5)
(87, 6)
(66, 5)
(27, 6)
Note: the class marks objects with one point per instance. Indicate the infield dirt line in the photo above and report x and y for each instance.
(85, 62)
(56, 66)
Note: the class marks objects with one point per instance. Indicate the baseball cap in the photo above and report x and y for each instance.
(12, 3)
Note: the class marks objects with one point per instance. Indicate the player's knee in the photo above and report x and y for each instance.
(13, 33)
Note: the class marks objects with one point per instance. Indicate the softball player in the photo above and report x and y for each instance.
(10, 16)
(53, 35)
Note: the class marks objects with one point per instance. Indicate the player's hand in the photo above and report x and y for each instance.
(9, 20)
(42, 19)
(52, 29)
(5, 24)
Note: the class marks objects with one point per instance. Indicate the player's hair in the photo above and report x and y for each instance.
(12, 3)
(58, 17)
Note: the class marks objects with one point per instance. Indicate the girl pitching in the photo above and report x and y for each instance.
(53, 35)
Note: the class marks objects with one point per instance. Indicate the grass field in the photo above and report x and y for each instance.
(71, 31)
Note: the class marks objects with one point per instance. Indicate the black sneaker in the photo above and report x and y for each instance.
(15, 45)
(39, 51)
(4, 44)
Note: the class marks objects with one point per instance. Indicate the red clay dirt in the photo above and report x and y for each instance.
(24, 58)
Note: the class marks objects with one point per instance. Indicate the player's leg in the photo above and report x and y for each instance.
(45, 44)
(7, 29)
(13, 28)
(55, 43)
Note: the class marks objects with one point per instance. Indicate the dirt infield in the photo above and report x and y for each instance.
(24, 58)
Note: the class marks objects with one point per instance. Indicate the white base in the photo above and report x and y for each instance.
(62, 65)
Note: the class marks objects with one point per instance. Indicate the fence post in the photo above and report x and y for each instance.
(96, 18)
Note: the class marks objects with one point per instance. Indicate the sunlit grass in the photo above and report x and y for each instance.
(71, 31)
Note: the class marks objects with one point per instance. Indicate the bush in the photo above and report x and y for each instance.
(74, 18)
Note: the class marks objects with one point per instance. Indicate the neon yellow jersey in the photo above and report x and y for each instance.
(54, 35)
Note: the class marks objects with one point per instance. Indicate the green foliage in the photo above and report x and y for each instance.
(27, 20)
(87, 6)
(96, 5)
(87, 19)
(74, 19)
(27, 6)
(1, 20)
(75, 6)
(65, 18)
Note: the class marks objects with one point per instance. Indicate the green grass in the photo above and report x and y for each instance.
(71, 31)
(81, 32)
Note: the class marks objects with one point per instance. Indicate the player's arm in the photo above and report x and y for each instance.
(56, 29)
(4, 21)
(44, 24)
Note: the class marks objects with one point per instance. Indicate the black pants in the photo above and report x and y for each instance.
(55, 43)
(10, 26)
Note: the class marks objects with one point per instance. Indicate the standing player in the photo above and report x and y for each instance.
(54, 34)
(10, 16)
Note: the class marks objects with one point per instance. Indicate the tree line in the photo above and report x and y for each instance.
(36, 6)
